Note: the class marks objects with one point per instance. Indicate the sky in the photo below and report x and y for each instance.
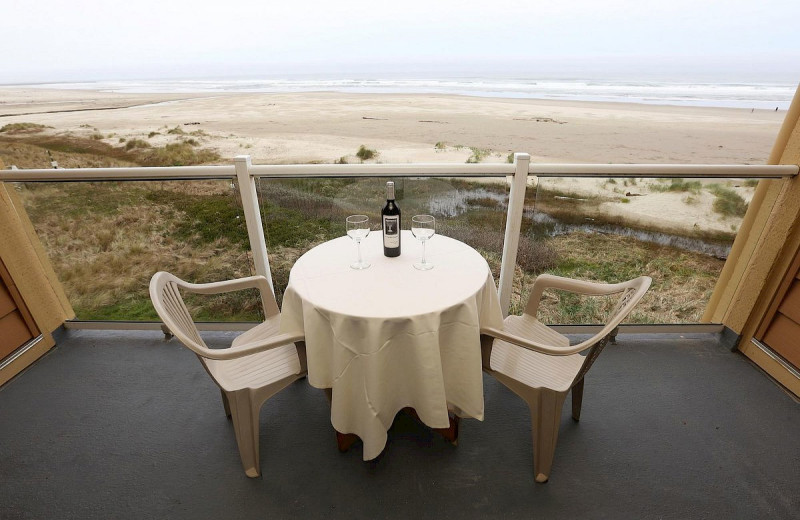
(83, 40)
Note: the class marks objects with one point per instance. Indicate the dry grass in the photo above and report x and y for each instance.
(25, 155)
(105, 261)
(136, 143)
(196, 188)
(88, 151)
(682, 281)
(23, 128)
(107, 239)
(176, 154)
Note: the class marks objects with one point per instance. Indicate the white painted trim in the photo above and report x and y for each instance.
(516, 207)
(252, 216)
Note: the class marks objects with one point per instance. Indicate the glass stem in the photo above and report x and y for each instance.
(358, 246)
(423, 252)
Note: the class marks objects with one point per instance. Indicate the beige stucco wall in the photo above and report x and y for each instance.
(29, 266)
(766, 243)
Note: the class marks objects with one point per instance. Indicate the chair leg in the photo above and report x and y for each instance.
(225, 403)
(577, 400)
(245, 424)
(545, 423)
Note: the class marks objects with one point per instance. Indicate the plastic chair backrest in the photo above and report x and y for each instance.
(632, 292)
(167, 300)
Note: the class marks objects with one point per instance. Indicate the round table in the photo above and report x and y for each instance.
(392, 336)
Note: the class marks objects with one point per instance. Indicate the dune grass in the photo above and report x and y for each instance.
(365, 154)
(107, 239)
(133, 152)
(23, 128)
(679, 185)
(478, 155)
(727, 202)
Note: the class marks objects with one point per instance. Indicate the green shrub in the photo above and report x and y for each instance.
(176, 131)
(152, 134)
(478, 154)
(727, 202)
(535, 255)
(441, 145)
(136, 143)
(365, 153)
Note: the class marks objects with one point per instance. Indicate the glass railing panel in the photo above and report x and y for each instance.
(677, 231)
(301, 213)
(106, 239)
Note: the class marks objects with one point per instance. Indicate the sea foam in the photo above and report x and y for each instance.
(735, 95)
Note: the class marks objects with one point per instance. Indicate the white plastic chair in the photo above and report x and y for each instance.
(258, 364)
(538, 364)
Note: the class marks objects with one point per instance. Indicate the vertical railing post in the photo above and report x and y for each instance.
(516, 205)
(252, 216)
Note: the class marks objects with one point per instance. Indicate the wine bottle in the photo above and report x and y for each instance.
(390, 215)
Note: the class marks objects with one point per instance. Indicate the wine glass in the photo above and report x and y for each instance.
(423, 228)
(358, 229)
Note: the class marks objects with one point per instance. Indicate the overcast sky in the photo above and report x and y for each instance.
(57, 40)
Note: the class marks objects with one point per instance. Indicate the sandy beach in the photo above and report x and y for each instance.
(324, 127)
(279, 128)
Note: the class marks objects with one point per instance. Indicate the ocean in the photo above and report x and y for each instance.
(735, 95)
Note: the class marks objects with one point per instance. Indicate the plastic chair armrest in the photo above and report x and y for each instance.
(549, 281)
(550, 350)
(253, 347)
(239, 284)
(251, 282)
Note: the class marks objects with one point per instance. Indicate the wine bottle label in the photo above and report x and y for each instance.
(391, 231)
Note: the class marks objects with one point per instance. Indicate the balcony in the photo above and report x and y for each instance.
(123, 424)
(120, 423)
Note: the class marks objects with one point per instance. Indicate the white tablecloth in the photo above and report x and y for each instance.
(392, 336)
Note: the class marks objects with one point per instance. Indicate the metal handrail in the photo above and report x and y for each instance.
(680, 171)
(142, 173)
(728, 171)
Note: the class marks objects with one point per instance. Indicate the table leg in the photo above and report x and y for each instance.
(450, 433)
(345, 440)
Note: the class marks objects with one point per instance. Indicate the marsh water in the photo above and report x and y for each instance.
(456, 202)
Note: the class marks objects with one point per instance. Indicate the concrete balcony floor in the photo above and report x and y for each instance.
(126, 425)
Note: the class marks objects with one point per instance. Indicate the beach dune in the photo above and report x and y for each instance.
(422, 128)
